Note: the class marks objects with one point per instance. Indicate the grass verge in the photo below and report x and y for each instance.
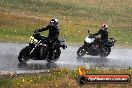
(18, 18)
(59, 78)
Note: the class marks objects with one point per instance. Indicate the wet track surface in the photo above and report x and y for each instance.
(119, 58)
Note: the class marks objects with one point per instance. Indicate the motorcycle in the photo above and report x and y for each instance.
(94, 46)
(38, 49)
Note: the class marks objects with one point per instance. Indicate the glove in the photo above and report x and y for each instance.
(35, 31)
(92, 35)
(64, 46)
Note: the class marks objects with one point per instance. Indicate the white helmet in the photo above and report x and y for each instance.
(105, 26)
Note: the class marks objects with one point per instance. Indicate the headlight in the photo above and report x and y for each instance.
(113, 40)
(89, 40)
(33, 40)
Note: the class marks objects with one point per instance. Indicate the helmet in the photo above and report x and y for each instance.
(53, 22)
(105, 26)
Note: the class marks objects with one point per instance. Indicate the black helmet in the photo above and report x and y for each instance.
(53, 22)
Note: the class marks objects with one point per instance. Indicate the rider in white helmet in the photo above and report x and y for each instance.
(103, 32)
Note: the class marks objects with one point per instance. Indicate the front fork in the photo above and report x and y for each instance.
(35, 47)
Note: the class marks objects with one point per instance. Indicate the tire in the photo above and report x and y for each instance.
(24, 54)
(43, 53)
(81, 51)
(105, 52)
(55, 57)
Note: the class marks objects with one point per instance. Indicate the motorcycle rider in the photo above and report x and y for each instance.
(104, 33)
(53, 34)
(53, 29)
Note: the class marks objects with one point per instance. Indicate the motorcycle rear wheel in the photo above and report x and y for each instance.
(105, 52)
(55, 56)
(24, 55)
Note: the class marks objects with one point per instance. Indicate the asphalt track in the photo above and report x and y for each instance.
(119, 58)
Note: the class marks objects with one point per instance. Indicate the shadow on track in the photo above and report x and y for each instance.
(94, 61)
(36, 66)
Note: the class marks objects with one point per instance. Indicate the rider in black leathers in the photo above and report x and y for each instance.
(53, 34)
(53, 29)
(104, 33)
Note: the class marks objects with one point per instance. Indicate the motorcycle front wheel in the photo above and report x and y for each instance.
(24, 54)
(81, 51)
(54, 57)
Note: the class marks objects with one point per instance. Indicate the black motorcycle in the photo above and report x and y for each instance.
(38, 49)
(95, 47)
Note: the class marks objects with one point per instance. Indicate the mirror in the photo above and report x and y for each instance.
(88, 31)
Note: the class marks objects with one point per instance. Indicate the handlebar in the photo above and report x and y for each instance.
(114, 40)
(89, 32)
(35, 31)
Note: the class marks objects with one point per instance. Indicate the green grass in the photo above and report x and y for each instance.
(60, 78)
(75, 17)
